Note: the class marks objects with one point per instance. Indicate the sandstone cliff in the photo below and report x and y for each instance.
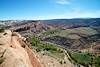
(14, 51)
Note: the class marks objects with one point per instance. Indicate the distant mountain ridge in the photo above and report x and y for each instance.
(85, 21)
(74, 21)
(37, 26)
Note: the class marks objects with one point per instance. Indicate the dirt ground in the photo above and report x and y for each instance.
(52, 62)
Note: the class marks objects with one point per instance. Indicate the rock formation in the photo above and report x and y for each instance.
(15, 51)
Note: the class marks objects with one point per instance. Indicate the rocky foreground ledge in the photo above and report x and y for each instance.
(14, 51)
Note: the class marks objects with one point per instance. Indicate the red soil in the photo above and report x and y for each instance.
(34, 60)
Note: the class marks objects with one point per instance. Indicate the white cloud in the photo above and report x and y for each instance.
(63, 2)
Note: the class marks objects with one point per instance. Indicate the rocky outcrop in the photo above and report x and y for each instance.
(15, 51)
(74, 42)
(30, 28)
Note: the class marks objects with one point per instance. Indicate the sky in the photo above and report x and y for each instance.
(48, 9)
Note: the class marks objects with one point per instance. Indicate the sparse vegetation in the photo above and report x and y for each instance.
(1, 30)
(39, 45)
(52, 50)
(49, 48)
(97, 61)
(5, 34)
(62, 62)
(1, 60)
(85, 59)
(81, 58)
(82, 31)
(51, 32)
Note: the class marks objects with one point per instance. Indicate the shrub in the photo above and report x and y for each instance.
(5, 34)
(51, 32)
(50, 47)
(35, 41)
(81, 58)
(1, 60)
(38, 50)
(61, 62)
(1, 29)
(97, 61)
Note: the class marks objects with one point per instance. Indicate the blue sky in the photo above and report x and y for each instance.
(48, 9)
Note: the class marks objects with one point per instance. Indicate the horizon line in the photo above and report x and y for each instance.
(48, 19)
